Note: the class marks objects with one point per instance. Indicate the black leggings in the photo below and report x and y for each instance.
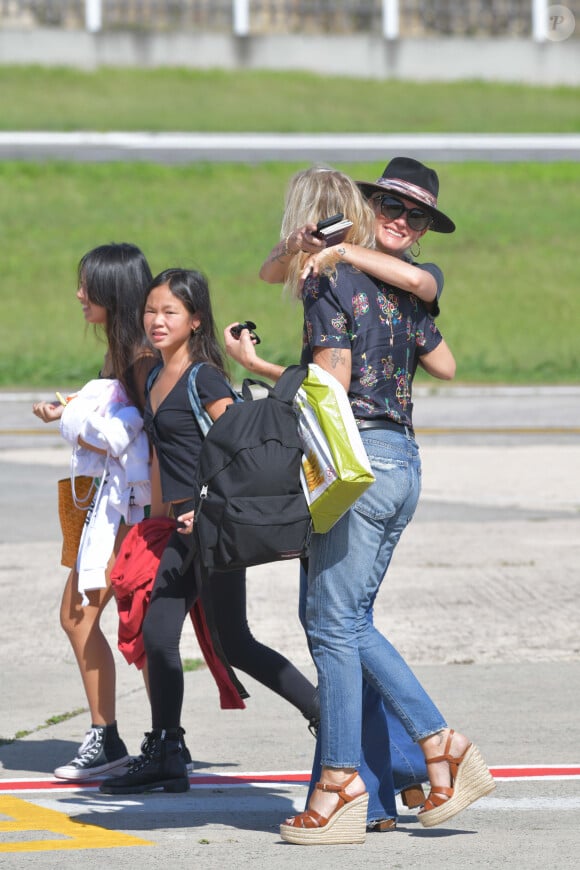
(171, 600)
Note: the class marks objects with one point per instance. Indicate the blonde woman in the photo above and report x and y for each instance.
(370, 335)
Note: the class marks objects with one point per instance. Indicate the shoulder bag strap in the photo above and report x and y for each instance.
(204, 421)
(151, 377)
(201, 415)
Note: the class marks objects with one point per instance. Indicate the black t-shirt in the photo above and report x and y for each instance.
(434, 270)
(175, 434)
(386, 329)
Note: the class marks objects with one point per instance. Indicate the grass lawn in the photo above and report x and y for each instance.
(34, 98)
(509, 306)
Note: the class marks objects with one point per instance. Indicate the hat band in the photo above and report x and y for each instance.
(405, 187)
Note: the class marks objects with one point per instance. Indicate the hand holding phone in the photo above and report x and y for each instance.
(333, 230)
(236, 330)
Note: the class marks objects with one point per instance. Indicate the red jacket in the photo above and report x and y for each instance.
(132, 580)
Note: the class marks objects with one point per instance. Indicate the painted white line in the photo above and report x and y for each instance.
(550, 804)
(258, 141)
(217, 147)
(223, 800)
(182, 804)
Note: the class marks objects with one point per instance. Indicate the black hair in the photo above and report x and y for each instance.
(192, 289)
(117, 277)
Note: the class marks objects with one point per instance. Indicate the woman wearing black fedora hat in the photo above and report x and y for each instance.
(404, 200)
(370, 334)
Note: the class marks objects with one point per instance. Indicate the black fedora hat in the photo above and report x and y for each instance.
(412, 180)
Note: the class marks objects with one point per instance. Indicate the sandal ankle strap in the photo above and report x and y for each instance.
(337, 789)
(326, 786)
(340, 790)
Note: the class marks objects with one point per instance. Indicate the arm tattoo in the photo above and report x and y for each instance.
(336, 358)
(277, 255)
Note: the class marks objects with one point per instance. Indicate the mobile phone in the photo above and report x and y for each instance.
(328, 222)
(236, 330)
(335, 233)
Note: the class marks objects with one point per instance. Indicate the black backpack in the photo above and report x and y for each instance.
(250, 507)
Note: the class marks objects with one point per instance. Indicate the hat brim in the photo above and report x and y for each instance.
(441, 223)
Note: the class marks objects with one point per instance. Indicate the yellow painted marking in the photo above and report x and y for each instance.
(25, 816)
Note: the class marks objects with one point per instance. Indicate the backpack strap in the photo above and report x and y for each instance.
(205, 423)
(248, 383)
(203, 419)
(152, 377)
(289, 383)
(284, 389)
(201, 415)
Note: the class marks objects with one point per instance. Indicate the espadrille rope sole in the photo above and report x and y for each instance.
(347, 825)
(473, 781)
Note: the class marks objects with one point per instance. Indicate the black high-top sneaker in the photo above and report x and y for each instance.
(160, 767)
(101, 752)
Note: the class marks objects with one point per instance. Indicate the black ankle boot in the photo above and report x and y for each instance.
(186, 754)
(160, 767)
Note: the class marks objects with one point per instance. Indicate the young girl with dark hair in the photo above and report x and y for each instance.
(179, 323)
(115, 278)
(112, 283)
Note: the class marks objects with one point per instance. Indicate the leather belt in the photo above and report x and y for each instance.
(385, 424)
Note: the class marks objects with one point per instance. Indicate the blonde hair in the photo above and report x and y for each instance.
(317, 193)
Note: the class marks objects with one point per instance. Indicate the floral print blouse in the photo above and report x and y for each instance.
(386, 329)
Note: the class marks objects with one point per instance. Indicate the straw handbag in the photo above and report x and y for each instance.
(72, 511)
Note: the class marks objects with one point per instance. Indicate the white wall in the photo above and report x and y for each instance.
(507, 60)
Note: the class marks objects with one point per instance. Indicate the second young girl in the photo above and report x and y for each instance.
(179, 323)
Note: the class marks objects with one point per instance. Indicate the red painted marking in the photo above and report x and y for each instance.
(281, 778)
(196, 779)
(535, 771)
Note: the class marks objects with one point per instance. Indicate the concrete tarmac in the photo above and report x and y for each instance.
(481, 599)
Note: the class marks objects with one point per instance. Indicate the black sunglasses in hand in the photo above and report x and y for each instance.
(236, 330)
(392, 208)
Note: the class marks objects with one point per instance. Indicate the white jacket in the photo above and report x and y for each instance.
(102, 415)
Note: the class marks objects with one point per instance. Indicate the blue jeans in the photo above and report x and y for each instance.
(390, 760)
(346, 569)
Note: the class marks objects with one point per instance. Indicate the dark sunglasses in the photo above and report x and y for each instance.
(392, 208)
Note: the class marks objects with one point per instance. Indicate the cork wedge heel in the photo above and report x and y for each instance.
(346, 825)
(470, 780)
